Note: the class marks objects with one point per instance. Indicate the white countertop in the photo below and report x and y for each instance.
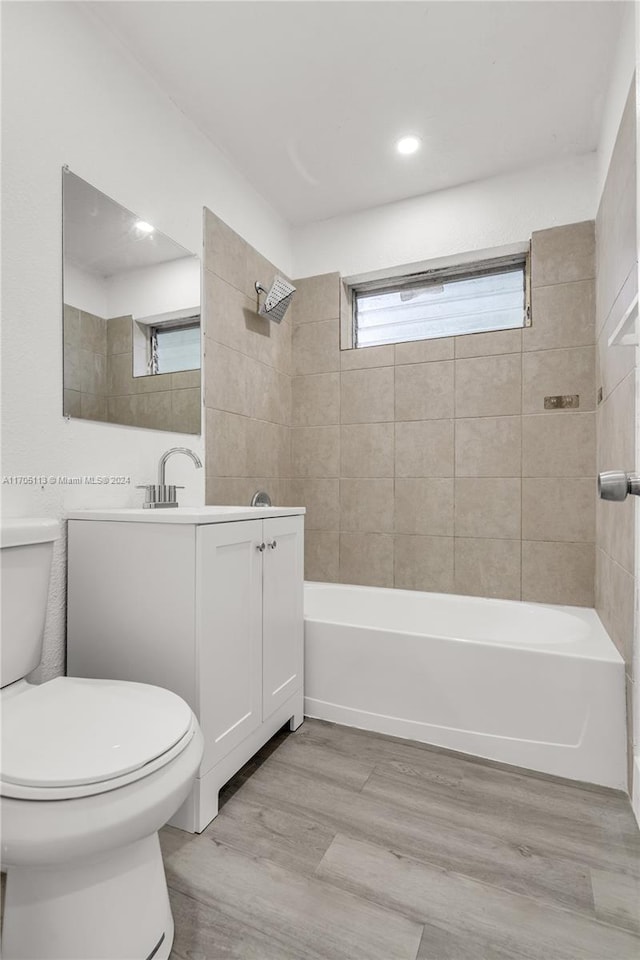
(186, 514)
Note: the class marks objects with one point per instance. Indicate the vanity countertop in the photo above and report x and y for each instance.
(197, 515)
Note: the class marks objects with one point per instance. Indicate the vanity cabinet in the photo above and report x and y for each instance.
(210, 610)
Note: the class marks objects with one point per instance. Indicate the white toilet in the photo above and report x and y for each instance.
(89, 772)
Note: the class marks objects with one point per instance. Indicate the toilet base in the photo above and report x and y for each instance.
(115, 907)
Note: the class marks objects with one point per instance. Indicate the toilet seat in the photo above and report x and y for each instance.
(74, 737)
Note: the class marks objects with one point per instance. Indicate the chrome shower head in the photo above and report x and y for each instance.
(277, 299)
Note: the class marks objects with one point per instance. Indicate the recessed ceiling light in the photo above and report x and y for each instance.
(407, 145)
(144, 227)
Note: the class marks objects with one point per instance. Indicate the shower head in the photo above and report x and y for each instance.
(277, 299)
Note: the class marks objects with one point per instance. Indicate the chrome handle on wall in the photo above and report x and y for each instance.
(273, 544)
(617, 485)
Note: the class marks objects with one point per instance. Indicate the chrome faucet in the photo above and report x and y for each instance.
(162, 495)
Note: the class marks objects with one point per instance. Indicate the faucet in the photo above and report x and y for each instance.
(162, 495)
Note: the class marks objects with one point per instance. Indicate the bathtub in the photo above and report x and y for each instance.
(540, 687)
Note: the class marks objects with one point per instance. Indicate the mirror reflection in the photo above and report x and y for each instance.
(131, 317)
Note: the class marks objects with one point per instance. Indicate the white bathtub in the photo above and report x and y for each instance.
(537, 686)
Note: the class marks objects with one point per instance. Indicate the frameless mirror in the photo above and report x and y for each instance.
(131, 327)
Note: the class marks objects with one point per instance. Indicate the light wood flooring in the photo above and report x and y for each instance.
(338, 844)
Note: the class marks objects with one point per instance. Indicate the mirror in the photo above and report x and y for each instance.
(131, 322)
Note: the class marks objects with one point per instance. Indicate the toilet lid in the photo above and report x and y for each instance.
(73, 731)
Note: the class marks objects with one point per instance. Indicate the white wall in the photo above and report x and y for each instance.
(85, 291)
(71, 95)
(475, 216)
(162, 288)
(635, 654)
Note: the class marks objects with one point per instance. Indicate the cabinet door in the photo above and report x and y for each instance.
(229, 628)
(282, 623)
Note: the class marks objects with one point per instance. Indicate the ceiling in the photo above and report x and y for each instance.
(101, 237)
(306, 99)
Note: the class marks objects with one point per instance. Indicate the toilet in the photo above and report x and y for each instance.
(89, 772)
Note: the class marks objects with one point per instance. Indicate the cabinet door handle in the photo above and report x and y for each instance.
(273, 544)
(260, 546)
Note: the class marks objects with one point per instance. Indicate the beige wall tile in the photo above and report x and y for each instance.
(158, 382)
(268, 392)
(562, 445)
(321, 499)
(93, 372)
(563, 254)
(267, 449)
(367, 450)
(120, 410)
(119, 334)
(92, 407)
(487, 568)
(616, 431)
(226, 446)
(489, 344)
(185, 380)
(120, 381)
(563, 315)
(367, 395)
(364, 357)
(557, 372)
(423, 351)
(226, 312)
(230, 491)
(316, 399)
(366, 506)
(71, 326)
(424, 506)
(315, 451)
(559, 509)
(424, 391)
(317, 298)
(152, 410)
(488, 386)
(615, 530)
(424, 563)
(72, 369)
(186, 408)
(488, 447)
(226, 385)
(558, 573)
(321, 556)
(424, 448)
(366, 558)
(93, 332)
(488, 507)
(315, 347)
(225, 252)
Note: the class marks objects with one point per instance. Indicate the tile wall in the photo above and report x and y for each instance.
(247, 374)
(99, 383)
(433, 465)
(616, 285)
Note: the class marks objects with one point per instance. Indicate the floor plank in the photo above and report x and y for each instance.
(514, 925)
(317, 920)
(617, 898)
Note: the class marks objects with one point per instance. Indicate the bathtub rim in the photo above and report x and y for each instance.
(588, 615)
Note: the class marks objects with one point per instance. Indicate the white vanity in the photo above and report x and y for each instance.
(204, 601)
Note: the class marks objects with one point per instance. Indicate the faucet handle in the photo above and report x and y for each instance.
(159, 495)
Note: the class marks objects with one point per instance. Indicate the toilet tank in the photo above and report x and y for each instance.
(26, 547)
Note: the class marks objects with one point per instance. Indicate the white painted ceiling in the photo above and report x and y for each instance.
(306, 99)
(101, 237)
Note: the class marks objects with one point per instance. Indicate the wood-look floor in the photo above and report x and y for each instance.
(337, 844)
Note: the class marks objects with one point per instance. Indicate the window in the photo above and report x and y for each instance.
(175, 346)
(474, 298)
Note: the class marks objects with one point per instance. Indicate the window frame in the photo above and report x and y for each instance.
(468, 269)
(167, 327)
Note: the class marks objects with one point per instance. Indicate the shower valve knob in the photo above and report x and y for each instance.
(617, 485)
